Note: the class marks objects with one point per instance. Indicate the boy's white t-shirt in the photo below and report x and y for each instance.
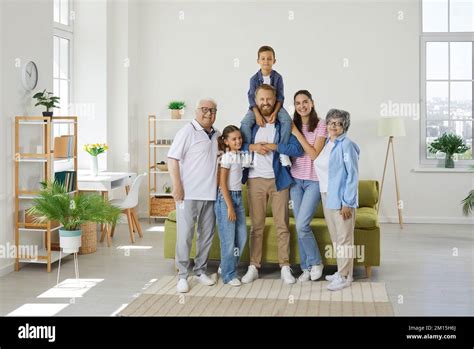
(233, 162)
(266, 79)
(263, 164)
(321, 166)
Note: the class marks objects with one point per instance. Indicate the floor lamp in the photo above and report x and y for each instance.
(391, 127)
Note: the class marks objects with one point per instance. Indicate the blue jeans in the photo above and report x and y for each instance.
(232, 235)
(306, 197)
(248, 122)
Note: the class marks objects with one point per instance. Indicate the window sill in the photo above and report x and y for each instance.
(443, 170)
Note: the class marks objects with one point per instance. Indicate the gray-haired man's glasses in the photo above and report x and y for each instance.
(206, 110)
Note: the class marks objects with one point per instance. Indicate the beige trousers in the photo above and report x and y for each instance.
(342, 236)
(259, 190)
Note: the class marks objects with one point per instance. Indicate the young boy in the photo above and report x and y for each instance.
(266, 75)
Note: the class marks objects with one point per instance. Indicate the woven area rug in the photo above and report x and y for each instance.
(263, 297)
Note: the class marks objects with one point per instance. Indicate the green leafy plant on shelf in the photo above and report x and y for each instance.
(54, 203)
(176, 105)
(47, 100)
(450, 144)
(468, 204)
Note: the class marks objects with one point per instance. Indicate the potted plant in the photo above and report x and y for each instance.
(450, 144)
(55, 204)
(47, 100)
(94, 150)
(176, 109)
(167, 188)
(468, 204)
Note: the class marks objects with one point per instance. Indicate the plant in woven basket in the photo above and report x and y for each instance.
(176, 105)
(177, 109)
(450, 144)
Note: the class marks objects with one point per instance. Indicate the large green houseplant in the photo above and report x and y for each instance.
(450, 144)
(55, 204)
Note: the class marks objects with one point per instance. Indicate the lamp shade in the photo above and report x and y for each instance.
(391, 126)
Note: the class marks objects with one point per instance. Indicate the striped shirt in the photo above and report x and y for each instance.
(302, 167)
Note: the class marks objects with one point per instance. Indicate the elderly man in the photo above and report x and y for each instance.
(268, 178)
(192, 162)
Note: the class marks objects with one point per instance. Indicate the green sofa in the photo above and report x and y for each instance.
(366, 235)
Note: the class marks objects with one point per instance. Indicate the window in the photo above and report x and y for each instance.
(62, 54)
(447, 53)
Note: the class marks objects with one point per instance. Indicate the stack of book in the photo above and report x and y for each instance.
(67, 178)
(64, 147)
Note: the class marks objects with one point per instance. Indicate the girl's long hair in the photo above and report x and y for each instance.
(313, 116)
(225, 133)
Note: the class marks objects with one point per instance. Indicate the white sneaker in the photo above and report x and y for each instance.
(182, 286)
(286, 275)
(285, 160)
(205, 280)
(339, 282)
(219, 271)
(234, 282)
(305, 276)
(250, 275)
(331, 277)
(316, 271)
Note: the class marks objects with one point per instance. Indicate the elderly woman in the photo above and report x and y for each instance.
(337, 170)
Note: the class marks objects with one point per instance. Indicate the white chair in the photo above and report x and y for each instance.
(128, 208)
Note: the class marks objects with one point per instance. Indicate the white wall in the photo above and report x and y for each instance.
(90, 76)
(27, 35)
(117, 85)
(195, 57)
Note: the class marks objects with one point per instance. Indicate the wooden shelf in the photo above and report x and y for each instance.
(48, 159)
(43, 257)
(160, 145)
(169, 120)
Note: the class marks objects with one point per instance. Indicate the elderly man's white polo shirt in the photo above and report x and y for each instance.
(197, 156)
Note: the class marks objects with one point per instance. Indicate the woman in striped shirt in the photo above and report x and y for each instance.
(311, 132)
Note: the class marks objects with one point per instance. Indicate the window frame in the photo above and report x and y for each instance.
(440, 37)
(66, 32)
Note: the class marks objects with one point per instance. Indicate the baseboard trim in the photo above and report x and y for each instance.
(427, 220)
(7, 269)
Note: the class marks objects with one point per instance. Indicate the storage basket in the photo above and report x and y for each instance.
(161, 206)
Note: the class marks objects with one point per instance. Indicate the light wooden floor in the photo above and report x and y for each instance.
(421, 274)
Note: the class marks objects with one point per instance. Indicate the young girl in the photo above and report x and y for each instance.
(229, 206)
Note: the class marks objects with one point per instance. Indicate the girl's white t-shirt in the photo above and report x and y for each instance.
(233, 162)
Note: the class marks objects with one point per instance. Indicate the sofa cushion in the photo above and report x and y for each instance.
(368, 193)
(366, 218)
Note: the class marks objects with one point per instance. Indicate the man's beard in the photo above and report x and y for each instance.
(266, 111)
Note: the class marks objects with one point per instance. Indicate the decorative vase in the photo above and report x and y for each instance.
(175, 113)
(94, 166)
(448, 161)
(70, 240)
